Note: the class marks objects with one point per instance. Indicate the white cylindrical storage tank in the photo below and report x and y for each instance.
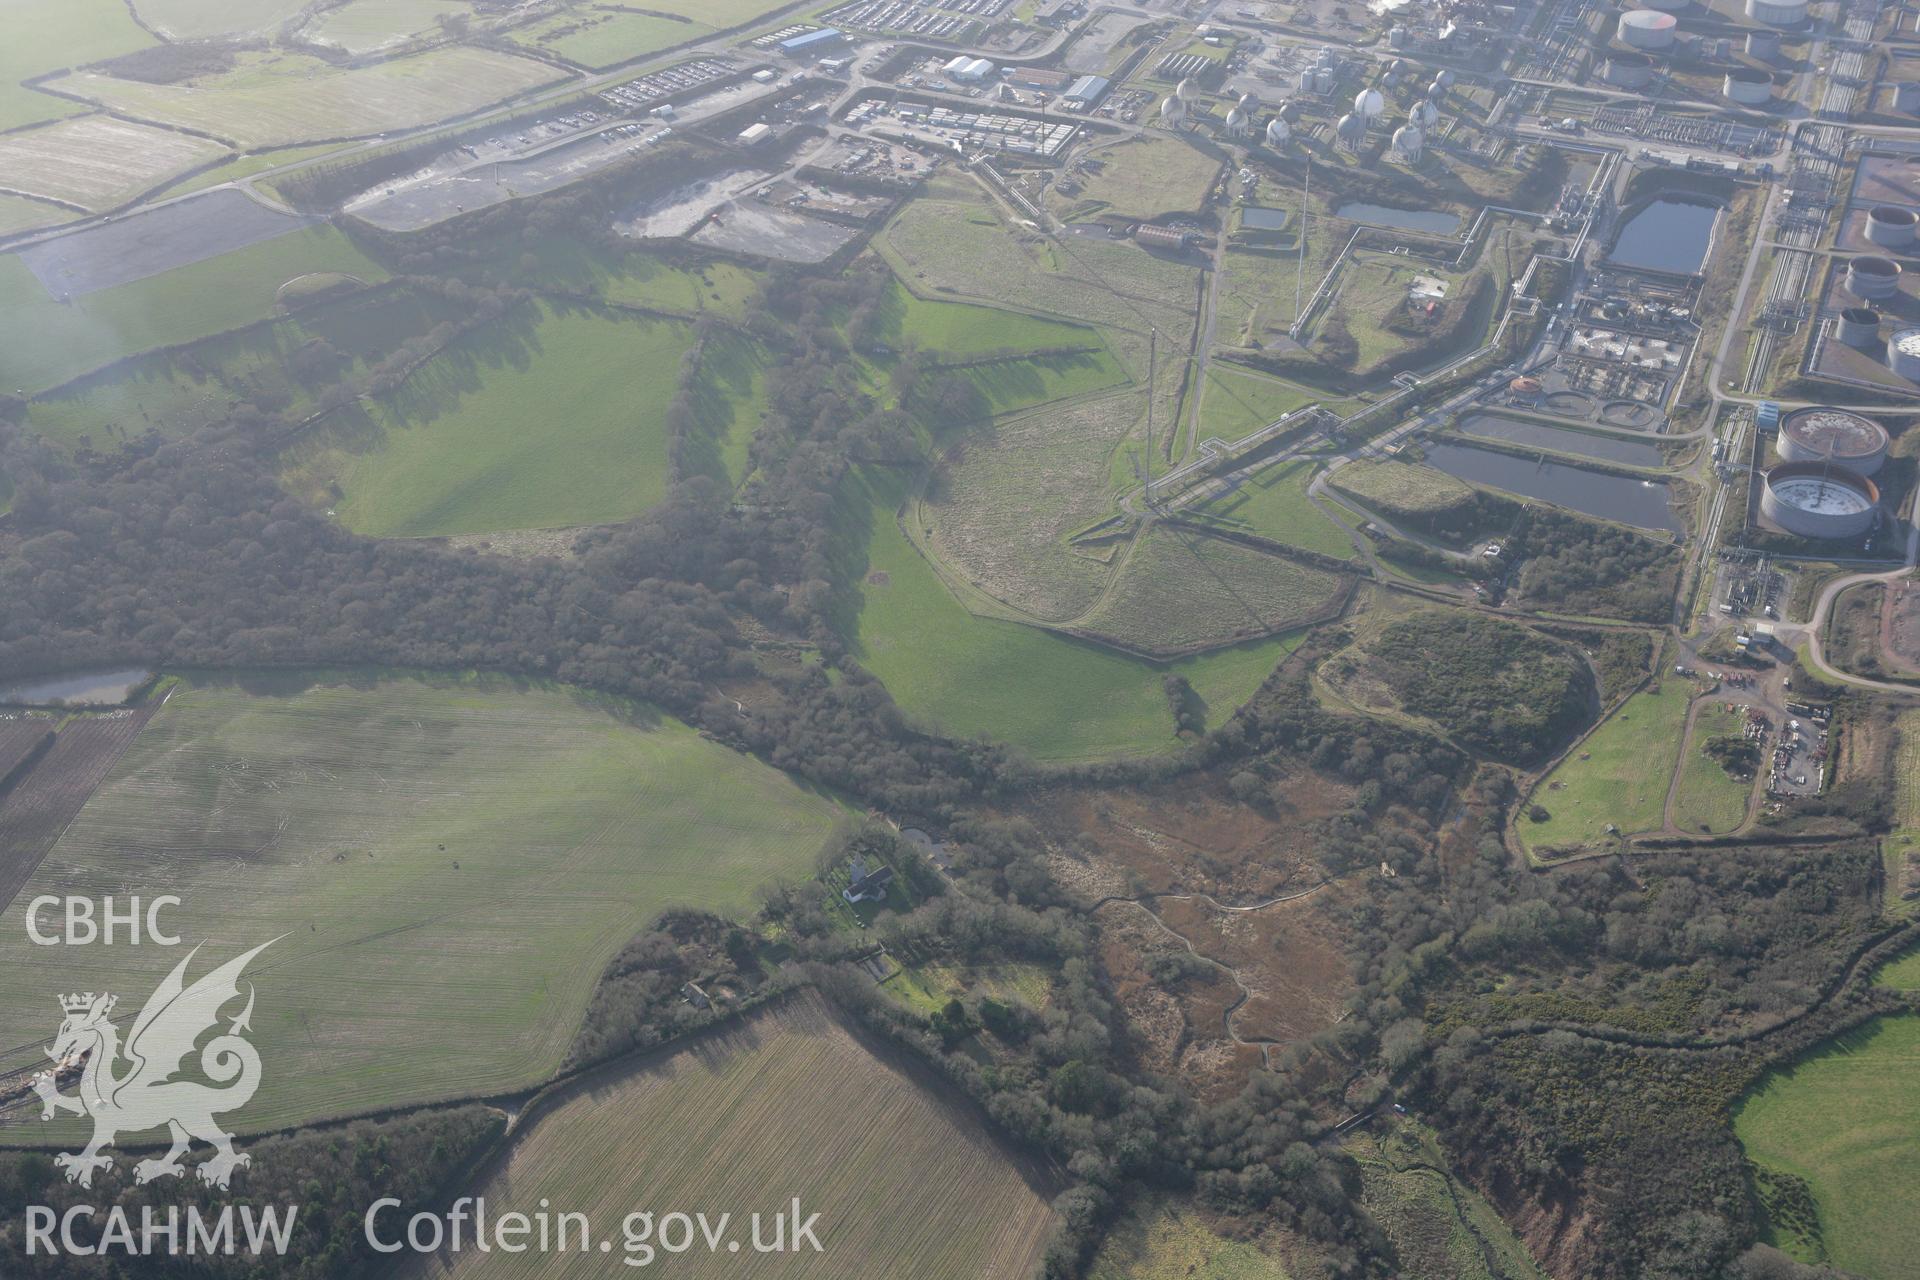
(1764, 45)
(1323, 80)
(1647, 28)
(1625, 70)
(1818, 500)
(1903, 354)
(1666, 6)
(1748, 87)
(1839, 436)
(1279, 132)
(1778, 13)
(1858, 327)
(1873, 277)
(1890, 226)
(1399, 38)
(1906, 97)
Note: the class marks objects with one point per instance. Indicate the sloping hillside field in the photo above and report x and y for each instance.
(447, 865)
(788, 1103)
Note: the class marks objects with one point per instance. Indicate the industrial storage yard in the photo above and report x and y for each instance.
(1260, 637)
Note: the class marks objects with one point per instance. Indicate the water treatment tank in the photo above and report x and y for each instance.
(1647, 28)
(1858, 327)
(1837, 435)
(1778, 13)
(1818, 500)
(1748, 87)
(1625, 70)
(1891, 226)
(1873, 277)
(1903, 354)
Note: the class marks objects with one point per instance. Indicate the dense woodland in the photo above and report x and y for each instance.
(186, 553)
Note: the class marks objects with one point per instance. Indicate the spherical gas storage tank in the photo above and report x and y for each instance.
(1279, 132)
(1890, 226)
(1748, 87)
(1778, 13)
(1647, 28)
(1872, 277)
(1815, 500)
(1858, 327)
(1837, 435)
(1627, 70)
(1903, 354)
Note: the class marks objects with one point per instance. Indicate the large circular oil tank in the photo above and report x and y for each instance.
(1903, 354)
(1647, 28)
(1891, 226)
(1837, 435)
(1872, 277)
(1858, 327)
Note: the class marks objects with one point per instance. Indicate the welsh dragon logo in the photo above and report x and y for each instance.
(132, 1088)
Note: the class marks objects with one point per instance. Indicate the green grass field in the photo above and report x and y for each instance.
(199, 19)
(1905, 836)
(1233, 403)
(1901, 973)
(1622, 781)
(1053, 697)
(46, 35)
(18, 213)
(1847, 1120)
(1274, 505)
(174, 393)
(364, 26)
(1709, 801)
(449, 864)
(1402, 488)
(98, 162)
(44, 343)
(600, 35)
(1143, 177)
(1181, 590)
(788, 1103)
(276, 99)
(960, 330)
(545, 419)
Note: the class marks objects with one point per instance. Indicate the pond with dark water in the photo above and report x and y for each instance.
(1641, 503)
(75, 689)
(1263, 219)
(1670, 234)
(1634, 453)
(1432, 221)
